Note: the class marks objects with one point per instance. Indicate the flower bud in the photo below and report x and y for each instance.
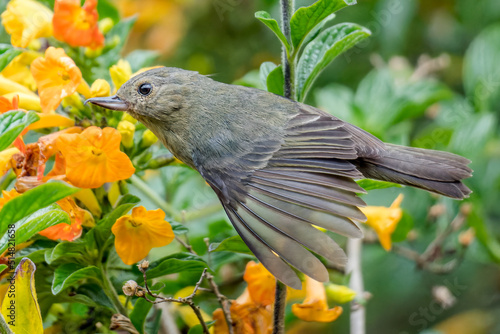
(127, 117)
(340, 293)
(105, 25)
(120, 73)
(73, 101)
(148, 139)
(127, 131)
(143, 265)
(100, 88)
(92, 53)
(129, 288)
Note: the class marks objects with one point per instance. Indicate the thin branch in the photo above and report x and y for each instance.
(279, 308)
(358, 317)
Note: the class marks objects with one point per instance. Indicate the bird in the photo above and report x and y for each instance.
(280, 168)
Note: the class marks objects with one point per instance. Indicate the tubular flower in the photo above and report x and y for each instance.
(93, 157)
(120, 73)
(384, 220)
(63, 231)
(100, 88)
(315, 307)
(137, 233)
(77, 25)
(25, 21)
(261, 283)
(7, 196)
(56, 76)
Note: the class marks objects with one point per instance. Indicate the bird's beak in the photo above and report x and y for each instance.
(110, 102)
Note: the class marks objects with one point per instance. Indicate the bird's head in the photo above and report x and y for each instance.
(152, 95)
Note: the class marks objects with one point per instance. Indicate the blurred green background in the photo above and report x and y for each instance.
(429, 77)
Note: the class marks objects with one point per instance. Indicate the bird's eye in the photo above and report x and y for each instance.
(145, 89)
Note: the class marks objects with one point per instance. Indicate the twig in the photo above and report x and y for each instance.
(223, 300)
(279, 308)
(354, 252)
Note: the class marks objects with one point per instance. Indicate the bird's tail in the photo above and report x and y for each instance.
(435, 171)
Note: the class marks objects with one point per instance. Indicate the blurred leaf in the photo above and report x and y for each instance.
(251, 79)
(231, 244)
(12, 123)
(306, 19)
(142, 58)
(178, 228)
(271, 23)
(3, 267)
(266, 68)
(175, 263)
(470, 137)
(485, 237)
(481, 71)
(139, 314)
(322, 51)
(368, 184)
(70, 273)
(106, 9)
(7, 54)
(275, 81)
(26, 317)
(197, 329)
(404, 226)
(38, 221)
(33, 200)
(337, 100)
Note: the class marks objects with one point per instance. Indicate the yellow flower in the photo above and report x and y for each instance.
(261, 283)
(18, 69)
(57, 76)
(100, 88)
(26, 101)
(148, 138)
(26, 20)
(315, 307)
(6, 159)
(120, 73)
(137, 233)
(127, 131)
(384, 220)
(93, 157)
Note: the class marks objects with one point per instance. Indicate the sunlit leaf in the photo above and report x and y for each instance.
(20, 309)
(306, 19)
(272, 24)
(12, 123)
(322, 51)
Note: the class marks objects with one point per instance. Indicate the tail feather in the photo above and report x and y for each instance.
(435, 171)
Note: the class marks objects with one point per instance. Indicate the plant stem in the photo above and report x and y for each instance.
(110, 291)
(354, 251)
(152, 195)
(287, 8)
(279, 308)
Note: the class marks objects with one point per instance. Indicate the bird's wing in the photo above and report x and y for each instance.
(307, 180)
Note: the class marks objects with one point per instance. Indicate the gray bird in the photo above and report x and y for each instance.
(278, 166)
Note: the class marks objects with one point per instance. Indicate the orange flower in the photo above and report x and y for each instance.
(77, 25)
(261, 283)
(93, 157)
(315, 307)
(65, 231)
(6, 105)
(137, 233)
(7, 196)
(56, 76)
(384, 220)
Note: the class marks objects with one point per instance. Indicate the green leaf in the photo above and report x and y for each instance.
(404, 226)
(481, 71)
(306, 19)
(368, 184)
(272, 24)
(483, 233)
(44, 218)
(33, 200)
(198, 329)
(231, 244)
(266, 68)
(3, 267)
(70, 273)
(64, 252)
(322, 51)
(12, 123)
(178, 228)
(142, 58)
(139, 314)
(175, 263)
(106, 9)
(275, 81)
(480, 127)
(7, 54)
